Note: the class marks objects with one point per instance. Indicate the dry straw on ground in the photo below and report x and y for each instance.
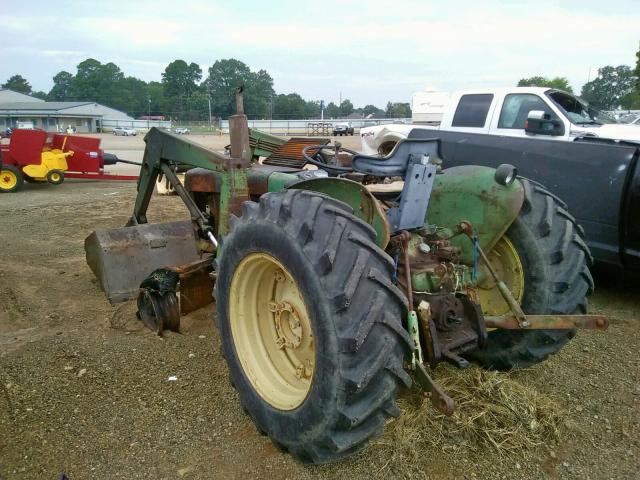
(493, 412)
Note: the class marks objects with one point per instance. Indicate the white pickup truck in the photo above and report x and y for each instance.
(531, 112)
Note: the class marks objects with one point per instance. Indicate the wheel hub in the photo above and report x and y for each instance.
(506, 262)
(8, 179)
(287, 324)
(272, 331)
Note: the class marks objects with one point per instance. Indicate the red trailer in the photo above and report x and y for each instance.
(38, 156)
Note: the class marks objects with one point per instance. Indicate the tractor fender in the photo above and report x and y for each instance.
(471, 193)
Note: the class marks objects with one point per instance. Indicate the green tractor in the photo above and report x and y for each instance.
(338, 285)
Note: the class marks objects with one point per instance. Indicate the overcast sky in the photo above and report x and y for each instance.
(370, 50)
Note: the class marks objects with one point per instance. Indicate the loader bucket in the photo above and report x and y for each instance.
(123, 257)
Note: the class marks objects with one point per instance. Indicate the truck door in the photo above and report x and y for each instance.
(513, 115)
(472, 113)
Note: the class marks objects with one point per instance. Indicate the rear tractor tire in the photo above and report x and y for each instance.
(11, 179)
(544, 261)
(311, 325)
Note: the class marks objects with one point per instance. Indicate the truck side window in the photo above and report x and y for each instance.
(472, 110)
(516, 108)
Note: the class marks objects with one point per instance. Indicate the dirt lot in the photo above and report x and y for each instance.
(84, 390)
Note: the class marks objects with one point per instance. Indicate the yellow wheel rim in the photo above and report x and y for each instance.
(506, 262)
(55, 177)
(8, 179)
(271, 331)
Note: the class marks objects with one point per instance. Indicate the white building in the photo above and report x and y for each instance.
(85, 117)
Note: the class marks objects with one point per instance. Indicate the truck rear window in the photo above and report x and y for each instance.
(472, 110)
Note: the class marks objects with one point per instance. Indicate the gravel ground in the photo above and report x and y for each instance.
(85, 389)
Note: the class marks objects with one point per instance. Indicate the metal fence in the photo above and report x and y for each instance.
(309, 127)
(108, 125)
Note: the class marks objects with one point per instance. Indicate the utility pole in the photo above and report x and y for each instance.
(209, 99)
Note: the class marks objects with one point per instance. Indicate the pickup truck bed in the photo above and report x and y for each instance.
(598, 179)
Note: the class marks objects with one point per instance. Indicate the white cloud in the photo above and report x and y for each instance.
(371, 51)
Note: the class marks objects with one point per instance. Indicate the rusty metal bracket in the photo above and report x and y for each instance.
(440, 400)
(549, 322)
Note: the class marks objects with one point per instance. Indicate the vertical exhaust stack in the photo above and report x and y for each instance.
(239, 131)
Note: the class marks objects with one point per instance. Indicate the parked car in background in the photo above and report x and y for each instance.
(182, 131)
(342, 128)
(125, 131)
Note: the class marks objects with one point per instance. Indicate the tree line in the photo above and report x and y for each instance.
(185, 94)
(615, 87)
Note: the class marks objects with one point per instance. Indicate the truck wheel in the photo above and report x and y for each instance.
(544, 261)
(11, 179)
(55, 177)
(311, 325)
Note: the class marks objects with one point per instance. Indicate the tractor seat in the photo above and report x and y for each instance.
(397, 161)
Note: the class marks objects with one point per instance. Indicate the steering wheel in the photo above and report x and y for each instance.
(318, 160)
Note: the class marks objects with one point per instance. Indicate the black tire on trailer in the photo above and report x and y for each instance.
(352, 312)
(555, 261)
(29, 179)
(55, 177)
(11, 179)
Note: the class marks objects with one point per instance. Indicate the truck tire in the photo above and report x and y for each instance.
(11, 179)
(311, 324)
(555, 263)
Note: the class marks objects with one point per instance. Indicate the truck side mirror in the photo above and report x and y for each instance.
(541, 123)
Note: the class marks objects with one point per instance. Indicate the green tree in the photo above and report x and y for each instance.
(371, 110)
(561, 83)
(155, 93)
(312, 109)
(18, 84)
(398, 110)
(227, 74)
(332, 111)
(611, 86)
(60, 91)
(289, 106)
(99, 83)
(39, 94)
(132, 97)
(346, 108)
(180, 81)
(636, 71)
(631, 100)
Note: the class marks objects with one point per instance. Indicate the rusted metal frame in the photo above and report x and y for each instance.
(164, 147)
(196, 284)
(402, 240)
(467, 228)
(549, 322)
(439, 399)
(446, 344)
(196, 213)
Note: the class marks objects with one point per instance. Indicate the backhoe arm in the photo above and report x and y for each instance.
(164, 152)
